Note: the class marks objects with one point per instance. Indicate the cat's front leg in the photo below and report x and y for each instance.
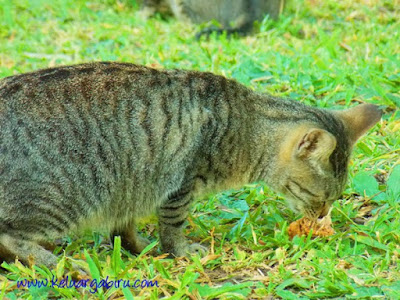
(172, 215)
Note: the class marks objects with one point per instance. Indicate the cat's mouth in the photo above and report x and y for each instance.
(313, 209)
(326, 210)
(318, 212)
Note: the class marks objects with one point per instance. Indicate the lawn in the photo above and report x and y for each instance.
(324, 53)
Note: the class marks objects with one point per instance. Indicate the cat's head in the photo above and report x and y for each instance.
(313, 161)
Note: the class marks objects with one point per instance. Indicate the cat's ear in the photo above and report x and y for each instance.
(359, 119)
(316, 144)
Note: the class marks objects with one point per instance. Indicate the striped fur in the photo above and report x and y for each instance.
(103, 144)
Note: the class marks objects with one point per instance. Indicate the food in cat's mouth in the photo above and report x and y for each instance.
(320, 227)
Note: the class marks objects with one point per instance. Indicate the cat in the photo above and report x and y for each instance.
(234, 16)
(100, 145)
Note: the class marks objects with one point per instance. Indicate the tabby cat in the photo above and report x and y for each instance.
(101, 145)
(234, 16)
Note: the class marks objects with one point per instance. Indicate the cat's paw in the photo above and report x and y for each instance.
(79, 271)
(133, 242)
(196, 248)
(187, 250)
(141, 244)
(146, 13)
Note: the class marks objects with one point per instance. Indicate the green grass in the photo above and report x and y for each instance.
(323, 53)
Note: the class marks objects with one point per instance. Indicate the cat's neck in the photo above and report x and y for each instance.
(231, 139)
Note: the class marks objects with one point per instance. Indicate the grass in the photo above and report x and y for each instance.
(323, 53)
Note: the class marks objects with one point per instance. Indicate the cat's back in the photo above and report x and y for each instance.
(71, 83)
(106, 98)
(104, 84)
